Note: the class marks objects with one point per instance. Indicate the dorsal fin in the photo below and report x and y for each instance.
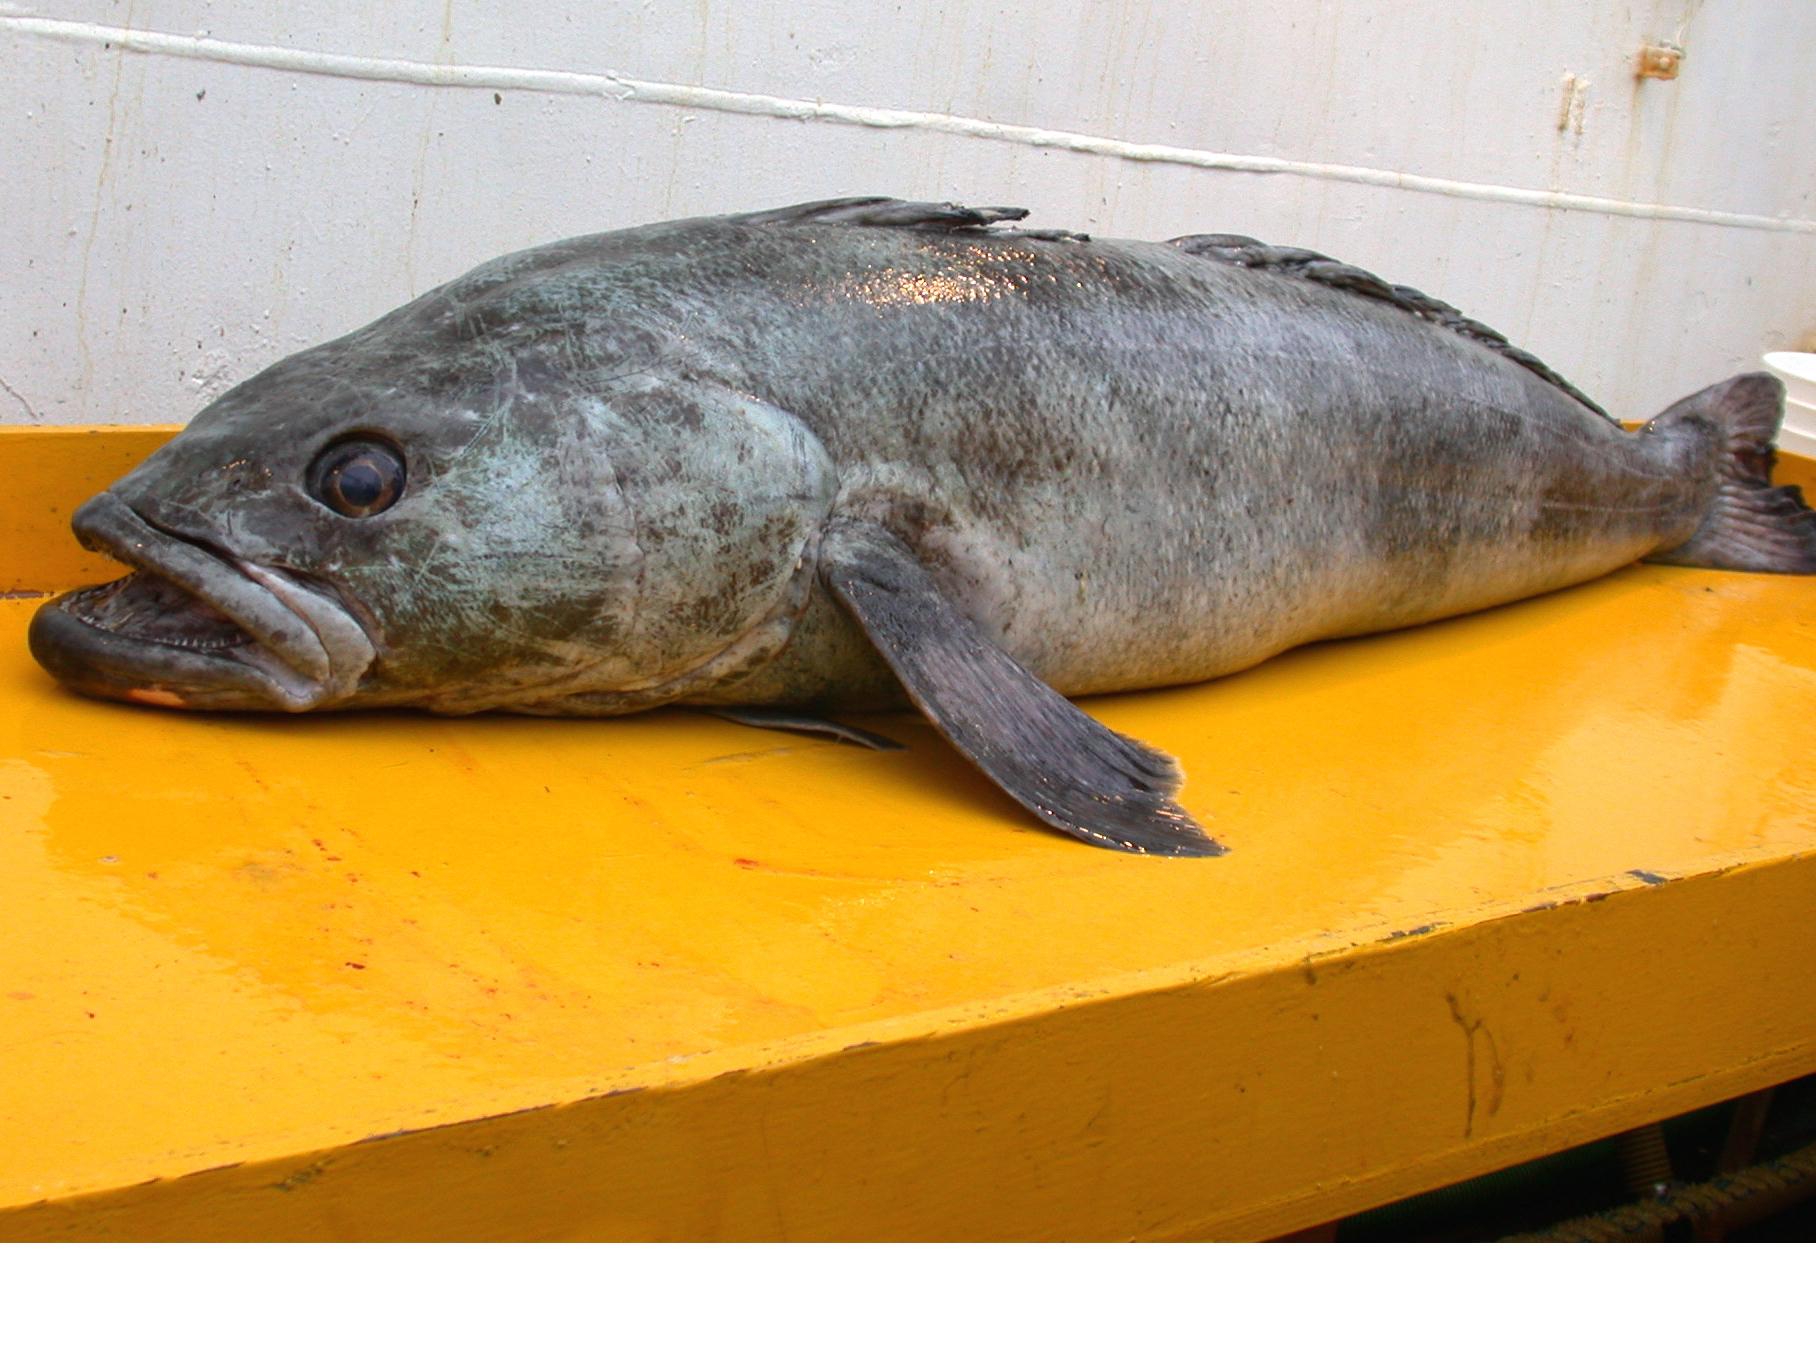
(1248, 253)
(1243, 251)
(882, 212)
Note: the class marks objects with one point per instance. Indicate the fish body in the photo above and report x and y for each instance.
(843, 454)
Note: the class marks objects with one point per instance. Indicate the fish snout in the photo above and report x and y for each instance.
(93, 521)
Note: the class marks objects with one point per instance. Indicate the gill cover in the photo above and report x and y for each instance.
(697, 508)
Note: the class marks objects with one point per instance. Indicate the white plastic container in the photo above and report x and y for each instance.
(1798, 370)
(1798, 438)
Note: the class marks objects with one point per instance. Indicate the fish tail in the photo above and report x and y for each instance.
(1750, 524)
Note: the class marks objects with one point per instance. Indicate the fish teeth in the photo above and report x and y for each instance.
(146, 609)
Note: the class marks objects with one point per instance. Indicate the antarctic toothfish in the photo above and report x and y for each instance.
(812, 459)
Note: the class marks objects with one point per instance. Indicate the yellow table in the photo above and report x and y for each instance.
(1498, 886)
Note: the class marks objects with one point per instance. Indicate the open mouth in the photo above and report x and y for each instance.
(194, 627)
(141, 608)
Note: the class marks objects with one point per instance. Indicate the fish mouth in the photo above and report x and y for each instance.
(195, 627)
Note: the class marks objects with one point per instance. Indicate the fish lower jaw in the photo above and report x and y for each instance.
(144, 640)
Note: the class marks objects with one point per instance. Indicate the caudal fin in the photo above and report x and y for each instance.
(1750, 525)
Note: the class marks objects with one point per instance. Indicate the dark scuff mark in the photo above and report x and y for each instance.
(1497, 1071)
(301, 1178)
(23, 595)
(1412, 931)
(1649, 876)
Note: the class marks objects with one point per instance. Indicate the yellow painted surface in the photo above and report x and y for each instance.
(665, 976)
(50, 470)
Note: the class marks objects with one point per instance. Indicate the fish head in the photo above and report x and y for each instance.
(453, 528)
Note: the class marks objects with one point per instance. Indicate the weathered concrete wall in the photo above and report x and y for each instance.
(194, 189)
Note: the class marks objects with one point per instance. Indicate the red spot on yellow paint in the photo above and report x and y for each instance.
(155, 695)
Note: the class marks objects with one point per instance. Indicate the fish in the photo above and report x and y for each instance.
(867, 453)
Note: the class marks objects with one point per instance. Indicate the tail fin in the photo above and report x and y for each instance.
(1750, 525)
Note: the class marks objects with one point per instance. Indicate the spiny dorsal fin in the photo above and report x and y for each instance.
(882, 212)
(1251, 254)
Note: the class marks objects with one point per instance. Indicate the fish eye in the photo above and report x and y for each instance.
(358, 476)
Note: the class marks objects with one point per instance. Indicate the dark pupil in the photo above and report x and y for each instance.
(359, 483)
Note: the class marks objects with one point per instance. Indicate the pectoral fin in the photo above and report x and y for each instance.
(1046, 753)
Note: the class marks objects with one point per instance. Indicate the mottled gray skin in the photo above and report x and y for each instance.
(1130, 464)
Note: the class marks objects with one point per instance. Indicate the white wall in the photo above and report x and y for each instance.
(237, 181)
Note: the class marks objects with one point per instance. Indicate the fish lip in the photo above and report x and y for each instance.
(305, 650)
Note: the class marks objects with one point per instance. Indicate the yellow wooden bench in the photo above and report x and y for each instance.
(1498, 886)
